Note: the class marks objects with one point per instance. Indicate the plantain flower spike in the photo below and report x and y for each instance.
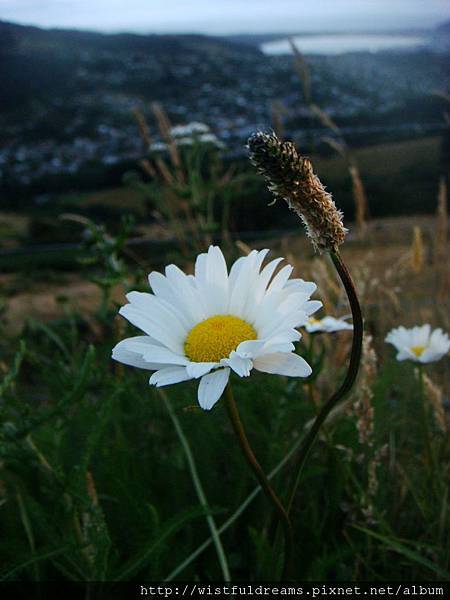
(291, 177)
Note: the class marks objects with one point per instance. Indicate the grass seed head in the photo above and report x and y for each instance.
(291, 177)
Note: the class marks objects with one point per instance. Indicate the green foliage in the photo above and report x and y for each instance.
(96, 486)
(103, 478)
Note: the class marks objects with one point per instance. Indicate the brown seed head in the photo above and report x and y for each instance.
(291, 177)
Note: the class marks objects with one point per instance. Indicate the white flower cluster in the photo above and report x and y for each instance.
(189, 135)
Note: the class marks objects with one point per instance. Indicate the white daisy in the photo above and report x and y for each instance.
(419, 344)
(327, 324)
(201, 326)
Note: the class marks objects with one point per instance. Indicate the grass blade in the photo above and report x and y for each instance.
(405, 551)
(198, 488)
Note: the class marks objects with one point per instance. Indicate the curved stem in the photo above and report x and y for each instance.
(350, 377)
(239, 430)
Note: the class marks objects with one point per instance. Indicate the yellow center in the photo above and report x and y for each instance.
(216, 337)
(418, 350)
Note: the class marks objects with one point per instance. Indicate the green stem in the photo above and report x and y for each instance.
(239, 430)
(243, 506)
(350, 377)
(198, 487)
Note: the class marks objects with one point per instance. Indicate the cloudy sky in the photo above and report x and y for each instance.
(226, 16)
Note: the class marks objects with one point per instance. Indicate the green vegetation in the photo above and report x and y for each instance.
(96, 483)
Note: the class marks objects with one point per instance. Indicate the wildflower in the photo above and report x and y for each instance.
(291, 177)
(419, 344)
(204, 138)
(201, 326)
(189, 129)
(327, 324)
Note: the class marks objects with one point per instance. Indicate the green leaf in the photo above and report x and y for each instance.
(169, 529)
(405, 551)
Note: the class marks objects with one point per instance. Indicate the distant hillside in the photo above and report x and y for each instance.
(14, 36)
(35, 63)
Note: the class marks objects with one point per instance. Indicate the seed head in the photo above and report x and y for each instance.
(291, 177)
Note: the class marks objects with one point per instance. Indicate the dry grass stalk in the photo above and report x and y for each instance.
(302, 70)
(442, 220)
(243, 247)
(362, 408)
(339, 146)
(359, 196)
(147, 167)
(324, 118)
(436, 398)
(277, 111)
(417, 251)
(143, 126)
(441, 242)
(165, 126)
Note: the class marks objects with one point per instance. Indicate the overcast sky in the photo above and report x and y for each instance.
(226, 16)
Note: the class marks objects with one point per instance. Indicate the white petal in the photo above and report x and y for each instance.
(187, 292)
(122, 354)
(311, 306)
(156, 354)
(159, 309)
(264, 279)
(280, 279)
(168, 376)
(153, 353)
(241, 366)
(198, 369)
(290, 364)
(240, 289)
(211, 279)
(406, 355)
(307, 287)
(211, 387)
(164, 290)
(159, 331)
(275, 347)
(430, 355)
(249, 348)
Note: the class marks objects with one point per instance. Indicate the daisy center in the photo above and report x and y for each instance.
(313, 321)
(417, 350)
(215, 337)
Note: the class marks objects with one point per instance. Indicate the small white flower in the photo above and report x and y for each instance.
(201, 326)
(204, 138)
(327, 324)
(189, 129)
(419, 344)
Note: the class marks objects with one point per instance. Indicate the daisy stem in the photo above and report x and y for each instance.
(239, 430)
(350, 377)
(198, 487)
